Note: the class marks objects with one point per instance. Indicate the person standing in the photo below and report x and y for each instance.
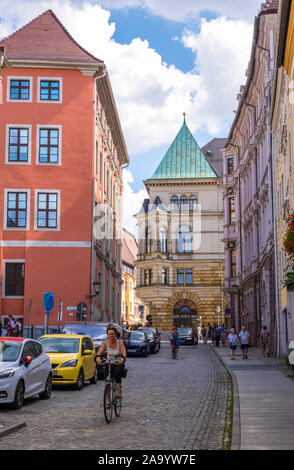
(174, 341)
(18, 327)
(11, 327)
(204, 333)
(244, 339)
(264, 335)
(217, 336)
(232, 341)
(223, 333)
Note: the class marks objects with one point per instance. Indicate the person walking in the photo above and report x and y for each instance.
(217, 336)
(18, 327)
(204, 333)
(223, 334)
(232, 341)
(209, 331)
(244, 339)
(174, 341)
(264, 336)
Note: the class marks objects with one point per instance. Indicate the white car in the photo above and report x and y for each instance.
(25, 370)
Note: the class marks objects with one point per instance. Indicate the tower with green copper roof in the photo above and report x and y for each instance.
(184, 159)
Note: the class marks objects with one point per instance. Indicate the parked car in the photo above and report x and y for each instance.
(96, 331)
(154, 340)
(187, 336)
(25, 370)
(72, 358)
(150, 328)
(136, 343)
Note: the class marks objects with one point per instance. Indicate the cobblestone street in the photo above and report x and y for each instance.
(167, 405)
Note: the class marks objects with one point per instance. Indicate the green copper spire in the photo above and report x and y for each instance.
(184, 159)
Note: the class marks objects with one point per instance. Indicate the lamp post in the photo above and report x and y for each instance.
(96, 287)
(218, 309)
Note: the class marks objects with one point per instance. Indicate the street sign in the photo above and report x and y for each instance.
(141, 308)
(48, 302)
(245, 312)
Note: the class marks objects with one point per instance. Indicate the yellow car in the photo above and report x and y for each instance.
(72, 359)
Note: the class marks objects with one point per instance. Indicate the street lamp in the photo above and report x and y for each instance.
(218, 309)
(97, 286)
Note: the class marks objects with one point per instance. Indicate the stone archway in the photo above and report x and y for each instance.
(184, 313)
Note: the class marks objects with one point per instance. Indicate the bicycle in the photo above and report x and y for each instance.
(174, 350)
(110, 400)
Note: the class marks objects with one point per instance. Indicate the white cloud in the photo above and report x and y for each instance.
(132, 202)
(184, 10)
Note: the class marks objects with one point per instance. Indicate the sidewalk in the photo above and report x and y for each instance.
(7, 426)
(263, 401)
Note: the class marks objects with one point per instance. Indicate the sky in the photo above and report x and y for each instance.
(164, 57)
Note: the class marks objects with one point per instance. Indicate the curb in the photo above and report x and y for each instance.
(12, 428)
(236, 424)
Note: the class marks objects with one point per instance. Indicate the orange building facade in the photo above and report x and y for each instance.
(61, 157)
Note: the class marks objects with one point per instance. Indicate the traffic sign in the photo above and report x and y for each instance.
(245, 312)
(228, 311)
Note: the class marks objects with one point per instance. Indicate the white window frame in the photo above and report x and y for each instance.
(18, 126)
(47, 229)
(4, 261)
(21, 77)
(18, 190)
(45, 126)
(55, 79)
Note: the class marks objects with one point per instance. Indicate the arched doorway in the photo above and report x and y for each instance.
(184, 314)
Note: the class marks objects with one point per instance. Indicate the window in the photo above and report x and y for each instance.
(49, 145)
(148, 241)
(174, 203)
(230, 165)
(19, 89)
(163, 240)
(49, 90)
(184, 242)
(164, 274)
(18, 144)
(233, 263)
(147, 277)
(14, 279)
(47, 210)
(16, 209)
(193, 203)
(232, 213)
(184, 203)
(184, 277)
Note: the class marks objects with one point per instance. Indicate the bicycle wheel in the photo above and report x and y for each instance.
(107, 403)
(117, 404)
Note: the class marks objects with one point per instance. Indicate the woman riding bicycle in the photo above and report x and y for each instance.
(114, 347)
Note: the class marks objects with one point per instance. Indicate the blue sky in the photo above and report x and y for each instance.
(164, 57)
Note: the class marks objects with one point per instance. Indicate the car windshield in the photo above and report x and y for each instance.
(149, 334)
(185, 331)
(94, 331)
(9, 351)
(137, 336)
(60, 345)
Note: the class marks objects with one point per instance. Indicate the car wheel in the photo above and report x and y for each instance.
(48, 390)
(94, 379)
(18, 396)
(80, 382)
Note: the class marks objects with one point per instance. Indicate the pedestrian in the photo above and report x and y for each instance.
(264, 335)
(209, 328)
(232, 341)
(11, 328)
(18, 327)
(174, 341)
(244, 339)
(217, 336)
(223, 332)
(204, 334)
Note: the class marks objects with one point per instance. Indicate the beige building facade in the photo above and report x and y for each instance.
(180, 261)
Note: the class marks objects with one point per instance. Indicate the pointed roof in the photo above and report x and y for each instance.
(184, 159)
(46, 39)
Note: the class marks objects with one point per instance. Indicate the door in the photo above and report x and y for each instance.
(88, 360)
(31, 375)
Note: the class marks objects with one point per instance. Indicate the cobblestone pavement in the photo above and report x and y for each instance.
(167, 405)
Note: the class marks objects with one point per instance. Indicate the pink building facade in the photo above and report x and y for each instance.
(248, 191)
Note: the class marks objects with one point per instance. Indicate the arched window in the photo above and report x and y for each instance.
(184, 203)
(163, 240)
(184, 242)
(148, 240)
(193, 203)
(174, 203)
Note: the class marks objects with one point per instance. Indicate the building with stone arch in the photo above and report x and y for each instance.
(180, 261)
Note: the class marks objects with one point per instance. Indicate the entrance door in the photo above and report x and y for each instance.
(185, 314)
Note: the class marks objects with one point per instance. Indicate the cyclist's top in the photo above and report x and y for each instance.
(175, 339)
(112, 352)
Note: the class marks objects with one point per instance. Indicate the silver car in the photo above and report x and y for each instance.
(25, 370)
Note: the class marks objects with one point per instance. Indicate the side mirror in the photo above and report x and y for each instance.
(87, 352)
(28, 360)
